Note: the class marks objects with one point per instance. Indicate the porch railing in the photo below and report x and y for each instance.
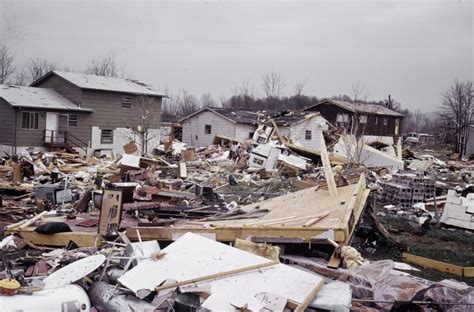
(54, 138)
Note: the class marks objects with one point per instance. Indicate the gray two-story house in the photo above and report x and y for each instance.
(76, 111)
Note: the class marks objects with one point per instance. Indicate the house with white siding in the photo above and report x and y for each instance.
(302, 128)
(200, 127)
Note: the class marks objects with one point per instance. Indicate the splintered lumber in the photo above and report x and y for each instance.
(327, 168)
(217, 275)
(33, 220)
(316, 219)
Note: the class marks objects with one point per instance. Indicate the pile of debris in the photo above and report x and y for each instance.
(85, 232)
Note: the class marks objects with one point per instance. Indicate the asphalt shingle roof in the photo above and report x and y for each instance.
(30, 97)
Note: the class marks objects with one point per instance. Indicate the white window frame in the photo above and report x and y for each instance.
(308, 135)
(102, 137)
(363, 119)
(385, 121)
(32, 123)
(342, 117)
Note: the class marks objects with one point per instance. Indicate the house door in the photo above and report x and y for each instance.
(51, 127)
(62, 128)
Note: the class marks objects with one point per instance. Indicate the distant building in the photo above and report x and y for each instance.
(379, 123)
(75, 111)
(200, 127)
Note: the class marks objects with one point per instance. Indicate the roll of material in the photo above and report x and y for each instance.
(71, 298)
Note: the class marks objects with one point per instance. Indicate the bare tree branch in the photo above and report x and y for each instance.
(6, 64)
(273, 84)
(38, 67)
(458, 113)
(104, 66)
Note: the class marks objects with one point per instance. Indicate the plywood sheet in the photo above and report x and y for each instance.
(193, 256)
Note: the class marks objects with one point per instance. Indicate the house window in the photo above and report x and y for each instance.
(363, 119)
(29, 120)
(126, 102)
(251, 135)
(307, 135)
(106, 136)
(385, 121)
(72, 120)
(342, 118)
(207, 129)
(376, 120)
(258, 161)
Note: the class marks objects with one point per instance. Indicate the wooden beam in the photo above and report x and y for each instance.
(327, 168)
(438, 265)
(81, 239)
(217, 275)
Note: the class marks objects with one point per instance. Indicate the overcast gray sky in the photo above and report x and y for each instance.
(410, 49)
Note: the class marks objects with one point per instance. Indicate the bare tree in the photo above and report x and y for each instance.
(359, 92)
(457, 110)
(6, 64)
(207, 100)
(21, 77)
(146, 127)
(186, 103)
(354, 129)
(299, 88)
(38, 67)
(243, 96)
(392, 103)
(273, 84)
(418, 117)
(104, 66)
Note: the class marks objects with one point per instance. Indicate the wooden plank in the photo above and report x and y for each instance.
(217, 275)
(433, 264)
(82, 239)
(316, 219)
(334, 262)
(327, 168)
(468, 271)
(302, 306)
